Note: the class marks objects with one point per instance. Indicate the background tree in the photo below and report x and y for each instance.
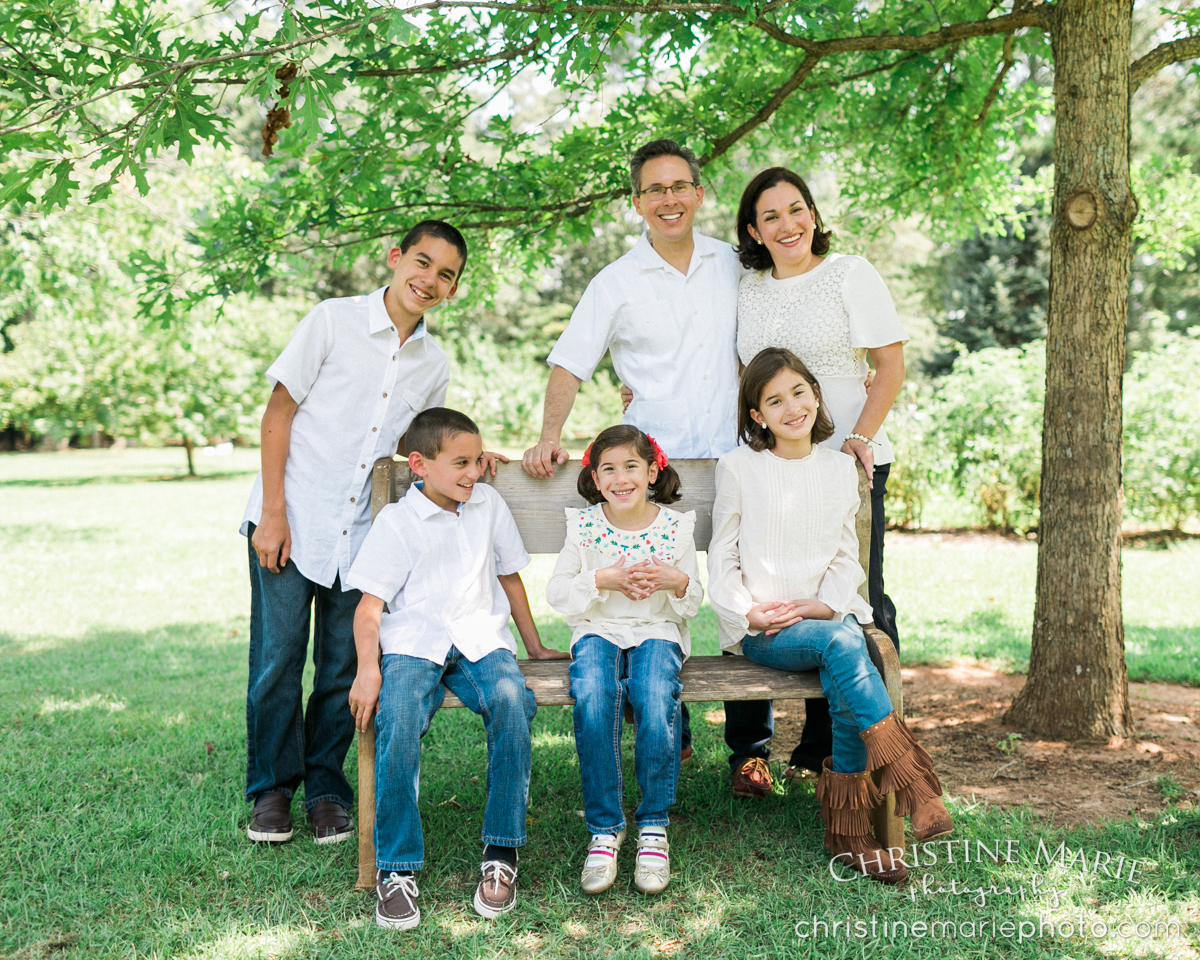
(396, 113)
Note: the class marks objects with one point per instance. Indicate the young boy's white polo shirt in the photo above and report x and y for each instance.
(437, 570)
(358, 390)
(673, 339)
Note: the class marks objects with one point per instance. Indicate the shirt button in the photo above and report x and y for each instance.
(351, 499)
(373, 429)
(363, 465)
(343, 533)
(385, 394)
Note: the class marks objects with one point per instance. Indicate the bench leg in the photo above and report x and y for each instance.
(366, 808)
(889, 828)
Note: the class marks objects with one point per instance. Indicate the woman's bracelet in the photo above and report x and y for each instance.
(859, 436)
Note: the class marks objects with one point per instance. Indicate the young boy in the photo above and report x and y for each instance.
(435, 559)
(357, 370)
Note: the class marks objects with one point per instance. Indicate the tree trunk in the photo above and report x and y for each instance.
(1078, 687)
(187, 445)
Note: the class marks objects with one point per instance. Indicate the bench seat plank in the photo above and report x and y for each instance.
(704, 679)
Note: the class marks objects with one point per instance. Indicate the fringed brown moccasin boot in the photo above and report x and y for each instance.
(907, 770)
(846, 803)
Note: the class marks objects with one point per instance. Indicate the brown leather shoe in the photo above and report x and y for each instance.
(907, 769)
(330, 822)
(685, 754)
(271, 821)
(846, 803)
(497, 890)
(752, 778)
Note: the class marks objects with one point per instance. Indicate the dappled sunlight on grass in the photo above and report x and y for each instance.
(273, 943)
(97, 701)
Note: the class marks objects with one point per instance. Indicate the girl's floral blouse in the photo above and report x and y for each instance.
(589, 528)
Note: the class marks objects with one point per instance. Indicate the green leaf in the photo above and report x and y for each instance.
(399, 30)
(60, 192)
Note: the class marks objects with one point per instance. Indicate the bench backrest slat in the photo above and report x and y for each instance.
(537, 505)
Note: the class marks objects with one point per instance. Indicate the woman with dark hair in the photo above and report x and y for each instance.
(833, 311)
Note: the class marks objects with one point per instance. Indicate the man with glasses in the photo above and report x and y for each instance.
(667, 311)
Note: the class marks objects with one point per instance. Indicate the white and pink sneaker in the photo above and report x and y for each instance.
(653, 871)
(600, 867)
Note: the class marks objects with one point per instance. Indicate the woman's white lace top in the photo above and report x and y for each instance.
(593, 543)
(829, 317)
(783, 530)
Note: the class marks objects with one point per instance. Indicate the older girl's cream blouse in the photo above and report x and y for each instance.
(593, 543)
(783, 530)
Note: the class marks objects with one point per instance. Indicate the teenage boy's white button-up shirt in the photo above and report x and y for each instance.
(673, 339)
(437, 570)
(357, 390)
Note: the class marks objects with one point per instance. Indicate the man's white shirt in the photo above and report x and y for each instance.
(357, 391)
(673, 339)
(437, 570)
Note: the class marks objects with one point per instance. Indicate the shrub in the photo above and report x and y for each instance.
(1162, 455)
(987, 427)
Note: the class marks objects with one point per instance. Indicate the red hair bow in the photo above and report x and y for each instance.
(587, 456)
(660, 458)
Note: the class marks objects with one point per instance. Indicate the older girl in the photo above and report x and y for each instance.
(783, 577)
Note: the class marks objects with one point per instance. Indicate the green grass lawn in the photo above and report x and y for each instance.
(122, 751)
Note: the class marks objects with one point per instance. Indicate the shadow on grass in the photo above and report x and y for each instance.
(1164, 654)
(118, 478)
(123, 760)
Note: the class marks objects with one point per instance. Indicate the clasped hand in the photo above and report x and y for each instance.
(643, 579)
(773, 616)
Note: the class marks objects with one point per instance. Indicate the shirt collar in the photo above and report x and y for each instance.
(378, 319)
(649, 259)
(425, 508)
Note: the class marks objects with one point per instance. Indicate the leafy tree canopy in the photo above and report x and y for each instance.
(385, 114)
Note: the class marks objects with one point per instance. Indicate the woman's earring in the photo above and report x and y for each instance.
(818, 405)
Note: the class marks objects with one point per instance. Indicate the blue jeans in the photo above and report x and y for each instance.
(603, 676)
(855, 691)
(492, 687)
(287, 745)
(816, 741)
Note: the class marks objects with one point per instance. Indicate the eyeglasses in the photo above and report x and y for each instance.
(680, 188)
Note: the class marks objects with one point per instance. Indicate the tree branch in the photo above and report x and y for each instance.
(455, 65)
(956, 33)
(768, 109)
(1186, 48)
(997, 83)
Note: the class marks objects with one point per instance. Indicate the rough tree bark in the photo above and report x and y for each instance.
(1078, 687)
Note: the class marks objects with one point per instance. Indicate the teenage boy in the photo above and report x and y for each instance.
(444, 561)
(357, 370)
(667, 311)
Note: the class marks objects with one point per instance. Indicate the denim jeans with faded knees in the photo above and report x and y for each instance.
(286, 744)
(603, 677)
(492, 687)
(855, 691)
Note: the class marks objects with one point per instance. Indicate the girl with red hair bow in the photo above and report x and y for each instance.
(628, 583)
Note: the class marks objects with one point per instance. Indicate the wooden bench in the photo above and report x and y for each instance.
(537, 506)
